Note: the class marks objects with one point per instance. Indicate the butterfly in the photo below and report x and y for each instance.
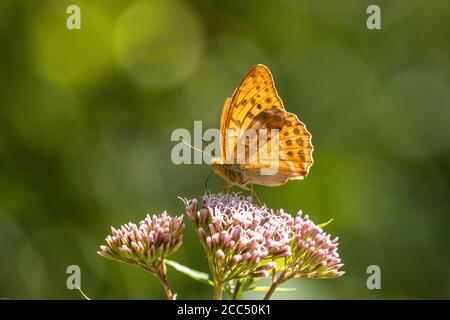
(255, 105)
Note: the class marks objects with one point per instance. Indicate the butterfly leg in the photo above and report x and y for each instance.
(227, 188)
(253, 192)
(256, 196)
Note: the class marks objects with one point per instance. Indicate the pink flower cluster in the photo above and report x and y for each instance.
(242, 239)
(314, 254)
(146, 244)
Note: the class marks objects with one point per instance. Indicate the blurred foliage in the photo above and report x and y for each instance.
(86, 117)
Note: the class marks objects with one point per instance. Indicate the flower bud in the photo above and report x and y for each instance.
(236, 259)
(202, 234)
(261, 273)
(220, 254)
(270, 265)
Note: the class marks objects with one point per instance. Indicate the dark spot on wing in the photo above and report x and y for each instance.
(270, 119)
(302, 155)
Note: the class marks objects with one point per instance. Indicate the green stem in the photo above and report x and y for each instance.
(218, 288)
(82, 293)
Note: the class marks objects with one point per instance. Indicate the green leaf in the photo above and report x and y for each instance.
(322, 225)
(194, 274)
(278, 289)
(279, 263)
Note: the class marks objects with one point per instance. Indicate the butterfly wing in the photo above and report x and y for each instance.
(255, 94)
(295, 156)
(295, 148)
(256, 105)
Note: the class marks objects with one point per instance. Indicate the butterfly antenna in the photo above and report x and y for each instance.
(205, 144)
(191, 146)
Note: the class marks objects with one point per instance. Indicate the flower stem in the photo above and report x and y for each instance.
(271, 290)
(275, 283)
(166, 287)
(236, 290)
(218, 288)
(162, 276)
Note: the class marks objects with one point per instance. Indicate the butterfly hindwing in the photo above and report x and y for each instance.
(295, 147)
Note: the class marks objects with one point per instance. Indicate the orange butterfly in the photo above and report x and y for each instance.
(255, 105)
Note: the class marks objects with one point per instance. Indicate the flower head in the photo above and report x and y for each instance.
(314, 254)
(242, 239)
(146, 244)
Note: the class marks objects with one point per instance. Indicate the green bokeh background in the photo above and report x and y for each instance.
(86, 118)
